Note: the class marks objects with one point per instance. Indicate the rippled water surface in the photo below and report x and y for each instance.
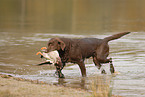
(27, 25)
(18, 57)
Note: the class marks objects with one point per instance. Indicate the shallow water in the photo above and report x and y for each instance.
(27, 25)
(17, 57)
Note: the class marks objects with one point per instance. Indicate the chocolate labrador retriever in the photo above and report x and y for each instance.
(77, 50)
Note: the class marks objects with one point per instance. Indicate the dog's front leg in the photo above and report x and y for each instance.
(58, 71)
(82, 68)
(109, 60)
(63, 64)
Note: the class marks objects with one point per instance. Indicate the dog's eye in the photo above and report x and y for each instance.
(58, 42)
(50, 44)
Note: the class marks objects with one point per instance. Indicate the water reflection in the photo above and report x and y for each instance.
(80, 83)
(72, 16)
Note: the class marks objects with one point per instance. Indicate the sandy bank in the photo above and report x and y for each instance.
(11, 87)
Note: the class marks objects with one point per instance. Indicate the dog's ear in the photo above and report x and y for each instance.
(61, 43)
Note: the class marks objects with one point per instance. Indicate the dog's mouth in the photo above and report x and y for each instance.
(48, 50)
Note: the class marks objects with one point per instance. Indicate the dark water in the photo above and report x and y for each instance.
(27, 25)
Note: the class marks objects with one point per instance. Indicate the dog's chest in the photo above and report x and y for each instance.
(73, 56)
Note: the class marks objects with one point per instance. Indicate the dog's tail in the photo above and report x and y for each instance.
(116, 36)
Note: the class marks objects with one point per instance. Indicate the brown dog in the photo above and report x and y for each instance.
(76, 50)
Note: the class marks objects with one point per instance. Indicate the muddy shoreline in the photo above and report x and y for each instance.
(11, 86)
(15, 87)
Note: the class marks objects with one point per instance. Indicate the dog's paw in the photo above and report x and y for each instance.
(103, 72)
(61, 75)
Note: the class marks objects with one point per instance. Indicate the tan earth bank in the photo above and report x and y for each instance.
(17, 87)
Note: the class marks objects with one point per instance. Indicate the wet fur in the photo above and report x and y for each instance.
(76, 50)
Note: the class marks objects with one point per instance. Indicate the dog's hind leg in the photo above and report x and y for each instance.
(102, 53)
(98, 65)
(96, 62)
(112, 70)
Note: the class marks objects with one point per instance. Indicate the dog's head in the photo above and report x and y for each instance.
(55, 44)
